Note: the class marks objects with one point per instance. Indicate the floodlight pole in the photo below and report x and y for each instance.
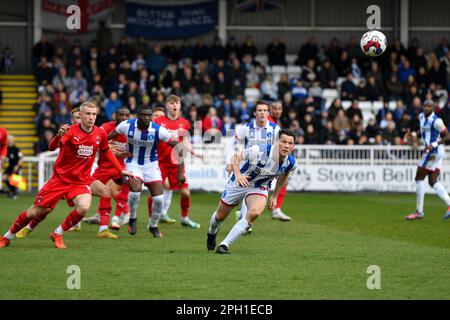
(37, 20)
(222, 25)
(404, 22)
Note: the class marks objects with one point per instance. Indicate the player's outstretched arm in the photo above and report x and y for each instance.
(56, 141)
(109, 156)
(112, 134)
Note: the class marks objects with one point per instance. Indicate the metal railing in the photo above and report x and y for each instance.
(215, 154)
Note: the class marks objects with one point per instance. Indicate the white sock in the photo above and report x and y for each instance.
(8, 235)
(59, 230)
(133, 203)
(238, 230)
(102, 228)
(214, 225)
(243, 211)
(442, 193)
(185, 219)
(167, 201)
(157, 206)
(420, 195)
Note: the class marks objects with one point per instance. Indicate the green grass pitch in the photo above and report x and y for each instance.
(323, 253)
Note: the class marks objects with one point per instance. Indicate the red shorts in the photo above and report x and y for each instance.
(171, 172)
(55, 190)
(105, 174)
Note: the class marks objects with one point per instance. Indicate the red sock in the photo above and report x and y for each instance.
(104, 209)
(122, 201)
(37, 220)
(150, 203)
(280, 197)
(185, 203)
(72, 219)
(21, 221)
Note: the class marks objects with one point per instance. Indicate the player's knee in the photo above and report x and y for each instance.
(252, 214)
(185, 193)
(83, 208)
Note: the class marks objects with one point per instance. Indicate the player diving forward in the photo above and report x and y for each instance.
(71, 177)
(143, 137)
(431, 127)
(251, 182)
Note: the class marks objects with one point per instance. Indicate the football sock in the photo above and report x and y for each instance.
(243, 211)
(420, 195)
(214, 225)
(104, 209)
(167, 201)
(72, 219)
(133, 202)
(185, 203)
(102, 228)
(442, 193)
(280, 198)
(21, 221)
(238, 230)
(149, 205)
(122, 201)
(156, 208)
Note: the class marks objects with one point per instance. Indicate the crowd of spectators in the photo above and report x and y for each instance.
(211, 79)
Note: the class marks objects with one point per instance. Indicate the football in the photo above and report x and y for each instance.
(373, 43)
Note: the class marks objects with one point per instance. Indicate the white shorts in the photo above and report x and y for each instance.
(432, 161)
(148, 173)
(234, 194)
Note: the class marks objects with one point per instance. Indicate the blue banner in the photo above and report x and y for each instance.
(158, 22)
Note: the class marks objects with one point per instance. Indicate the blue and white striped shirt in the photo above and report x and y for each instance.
(143, 145)
(431, 128)
(262, 165)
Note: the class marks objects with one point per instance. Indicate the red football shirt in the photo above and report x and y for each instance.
(179, 128)
(119, 140)
(3, 148)
(75, 160)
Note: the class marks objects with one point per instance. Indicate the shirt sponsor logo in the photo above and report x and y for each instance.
(85, 151)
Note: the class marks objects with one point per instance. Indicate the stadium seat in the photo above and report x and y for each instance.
(443, 97)
(290, 59)
(339, 82)
(330, 94)
(392, 105)
(261, 58)
(252, 94)
(294, 71)
(346, 104)
(279, 69)
(377, 105)
(365, 106)
(367, 115)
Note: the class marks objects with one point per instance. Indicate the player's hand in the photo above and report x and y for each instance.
(428, 148)
(181, 178)
(272, 203)
(229, 168)
(128, 174)
(242, 181)
(62, 131)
